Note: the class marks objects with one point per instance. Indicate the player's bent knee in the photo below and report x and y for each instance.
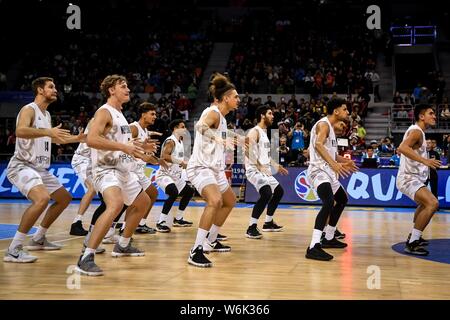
(215, 203)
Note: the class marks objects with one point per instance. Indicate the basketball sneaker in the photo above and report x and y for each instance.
(119, 251)
(42, 244)
(162, 227)
(271, 227)
(317, 253)
(181, 223)
(415, 248)
(333, 243)
(18, 255)
(76, 229)
(88, 267)
(421, 240)
(198, 259)
(215, 246)
(339, 235)
(253, 232)
(145, 229)
(221, 237)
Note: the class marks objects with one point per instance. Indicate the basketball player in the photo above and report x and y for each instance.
(259, 174)
(27, 170)
(139, 131)
(206, 170)
(171, 180)
(81, 164)
(323, 173)
(413, 174)
(112, 162)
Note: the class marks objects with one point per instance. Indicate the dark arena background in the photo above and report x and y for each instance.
(383, 58)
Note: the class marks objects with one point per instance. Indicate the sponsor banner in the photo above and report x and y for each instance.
(368, 187)
(238, 174)
(68, 178)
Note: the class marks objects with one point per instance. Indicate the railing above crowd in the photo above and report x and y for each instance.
(402, 116)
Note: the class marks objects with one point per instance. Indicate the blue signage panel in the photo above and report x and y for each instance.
(238, 174)
(68, 178)
(368, 187)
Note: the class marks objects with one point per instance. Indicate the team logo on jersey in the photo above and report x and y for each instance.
(303, 189)
(125, 129)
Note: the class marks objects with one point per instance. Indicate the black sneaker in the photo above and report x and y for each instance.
(339, 235)
(76, 229)
(215, 246)
(415, 248)
(162, 227)
(253, 232)
(333, 243)
(198, 259)
(271, 227)
(145, 229)
(181, 223)
(316, 253)
(422, 241)
(221, 237)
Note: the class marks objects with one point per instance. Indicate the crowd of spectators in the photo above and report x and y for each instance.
(289, 56)
(429, 92)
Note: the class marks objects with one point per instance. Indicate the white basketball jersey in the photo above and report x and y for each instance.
(174, 170)
(83, 149)
(260, 150)
(411, 168)
(316, 160)
(35, 152)
(142, 136)
(207, 153)
(120, 132)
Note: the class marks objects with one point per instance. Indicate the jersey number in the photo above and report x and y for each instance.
(46, 146)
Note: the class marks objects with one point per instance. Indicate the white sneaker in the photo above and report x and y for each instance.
(18, 255)
(111, 240)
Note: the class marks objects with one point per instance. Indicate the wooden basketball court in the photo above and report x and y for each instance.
(271, 268)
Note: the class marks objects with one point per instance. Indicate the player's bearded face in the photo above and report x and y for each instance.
(269, 118)
(50, 93)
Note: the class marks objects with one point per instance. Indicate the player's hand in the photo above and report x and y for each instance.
(432, 163)
(81, 137)
(59, 134)
(134, 149)
(283, 171)
(340, 170)
(151, 145)
(183, 164)
(154, 133)
(351, 165)
(163, 163)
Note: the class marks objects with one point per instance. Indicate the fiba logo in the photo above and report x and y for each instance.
(150, 173)
(303, 189)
